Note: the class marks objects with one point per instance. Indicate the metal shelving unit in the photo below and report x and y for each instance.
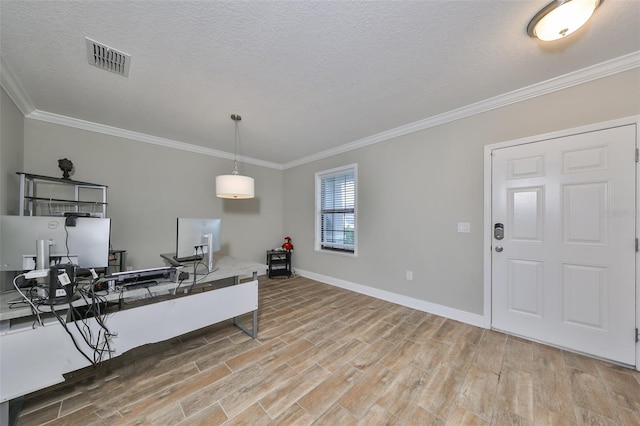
(279, 263)
(49, 196)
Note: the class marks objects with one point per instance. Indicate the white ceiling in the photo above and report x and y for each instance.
(307, 76)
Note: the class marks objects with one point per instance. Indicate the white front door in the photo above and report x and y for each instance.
(564, 273)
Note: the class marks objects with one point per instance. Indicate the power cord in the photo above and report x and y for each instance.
(34, 309)
(99, 344)
(66, 239)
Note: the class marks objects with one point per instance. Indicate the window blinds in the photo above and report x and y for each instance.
(337, 199)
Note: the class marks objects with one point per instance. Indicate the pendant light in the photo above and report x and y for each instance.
(560, 18)
(235, 186)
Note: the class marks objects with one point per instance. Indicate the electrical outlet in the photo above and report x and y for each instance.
(409, 275)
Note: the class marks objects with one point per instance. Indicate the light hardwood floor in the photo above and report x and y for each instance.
(332, 357)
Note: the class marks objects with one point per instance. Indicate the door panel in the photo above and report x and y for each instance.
(583, 160)
(520, 168)
(585, 218)
(526, 214)
(566, 274)
(525, 287)
(585, 293)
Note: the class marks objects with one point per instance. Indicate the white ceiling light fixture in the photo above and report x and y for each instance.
(235, 186)
(560, 18)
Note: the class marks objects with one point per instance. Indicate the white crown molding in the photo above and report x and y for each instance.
(15, 91)
(410, 302)
(142, 137)
(594, 72)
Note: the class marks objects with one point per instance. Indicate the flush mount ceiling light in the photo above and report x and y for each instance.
(235, 186)
(560, 18)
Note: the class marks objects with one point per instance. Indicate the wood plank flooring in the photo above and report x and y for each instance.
(328, 356)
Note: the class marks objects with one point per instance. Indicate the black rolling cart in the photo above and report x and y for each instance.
(278, 263)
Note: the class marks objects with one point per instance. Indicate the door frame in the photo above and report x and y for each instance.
(487, 222)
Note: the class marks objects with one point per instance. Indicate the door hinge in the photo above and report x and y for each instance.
(637, 335)
(636, 245)
(637, 154)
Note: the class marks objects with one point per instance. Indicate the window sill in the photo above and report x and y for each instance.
(337, 252)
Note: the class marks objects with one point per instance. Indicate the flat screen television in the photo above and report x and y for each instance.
(86, 244)
(197, 239)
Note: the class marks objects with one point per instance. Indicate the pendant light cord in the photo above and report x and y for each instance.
(235, 118)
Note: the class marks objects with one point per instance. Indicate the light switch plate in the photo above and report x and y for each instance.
(464, 227)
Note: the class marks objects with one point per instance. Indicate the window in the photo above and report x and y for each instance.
(336, 191)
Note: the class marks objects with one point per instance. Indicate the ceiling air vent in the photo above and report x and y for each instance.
(107, 58)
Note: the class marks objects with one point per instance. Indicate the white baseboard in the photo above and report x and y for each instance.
(410, 302)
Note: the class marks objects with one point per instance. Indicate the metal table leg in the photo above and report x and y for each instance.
(254, 329)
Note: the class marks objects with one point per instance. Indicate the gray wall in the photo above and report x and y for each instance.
(414, 189)
(11, 153)
(412, 192)
(11, 158)
(150, 186)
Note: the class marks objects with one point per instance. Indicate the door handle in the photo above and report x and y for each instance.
(499, 249)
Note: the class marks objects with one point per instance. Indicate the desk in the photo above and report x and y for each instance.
(34, 359)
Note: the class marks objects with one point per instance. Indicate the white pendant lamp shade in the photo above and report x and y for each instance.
(235, 187)
(561, 18)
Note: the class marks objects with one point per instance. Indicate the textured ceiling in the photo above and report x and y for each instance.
(306, 76)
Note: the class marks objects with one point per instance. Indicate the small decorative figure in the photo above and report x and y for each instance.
(66, 166)
(287, 244)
